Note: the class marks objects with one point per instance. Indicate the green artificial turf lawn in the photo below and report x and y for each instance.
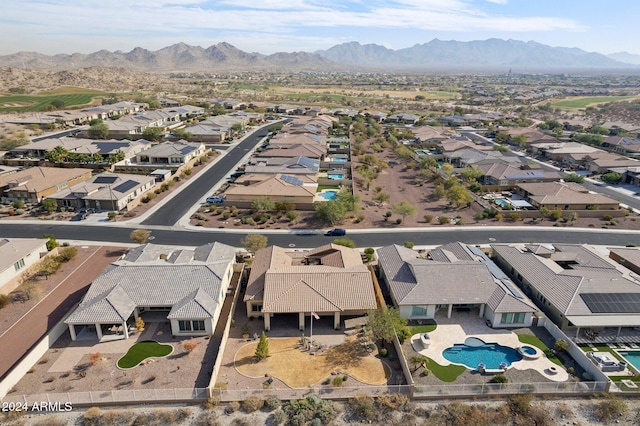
(446, 373)
(534, 341)
(143, 350)
(425, 328)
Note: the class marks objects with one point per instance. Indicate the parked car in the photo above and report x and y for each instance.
(337, 232)
(215, 200)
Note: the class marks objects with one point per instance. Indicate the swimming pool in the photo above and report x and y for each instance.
(474, 351)
(339, 159)
(329, 195)
(632, 357)
(502, 202)
(335, 176)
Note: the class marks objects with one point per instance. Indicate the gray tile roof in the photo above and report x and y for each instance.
(145, 277)
(458, 276)
(14, 249)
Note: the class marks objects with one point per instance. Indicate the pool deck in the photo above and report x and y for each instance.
(452, 331)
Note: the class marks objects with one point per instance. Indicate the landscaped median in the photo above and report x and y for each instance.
(141, 351)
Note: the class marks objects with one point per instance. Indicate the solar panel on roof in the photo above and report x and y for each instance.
(105, 179)
(291, 180)
(124, 187)
(187, 149)
(309, 163)
(615, 303)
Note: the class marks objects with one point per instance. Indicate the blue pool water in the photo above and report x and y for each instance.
(632, 357)
(501, 202)
(329, 195)
(335, 176)
(339, 159)
(491, 354)
(528, 350)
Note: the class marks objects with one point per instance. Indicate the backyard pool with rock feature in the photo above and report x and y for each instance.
(475, 352)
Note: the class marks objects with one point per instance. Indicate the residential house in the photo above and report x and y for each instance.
(404, 118)
(502, 175)
(603, 162)
(457, 121)
(329, 281)
(105, 191)
(283, 165)
(293, 150)
(629, 257)
(299, 189)
(564, 196)
(172, 154)
(569, 152)
(454, 277)
(573, 285)
(18, 254)
(186, 287)
(33, 184)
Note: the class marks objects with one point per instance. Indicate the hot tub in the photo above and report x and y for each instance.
(529, 352)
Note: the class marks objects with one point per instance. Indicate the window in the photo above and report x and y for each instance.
(19, 264)
(195, 325)
(256, 308)
(513, 318)
(418, 311)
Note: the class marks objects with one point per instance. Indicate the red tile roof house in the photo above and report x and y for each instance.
(330, 280)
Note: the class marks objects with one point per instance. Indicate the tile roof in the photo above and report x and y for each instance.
(14, 249)
(561, 193)
(36, 179)
(455, 275)
(333, 280)
(145, 277)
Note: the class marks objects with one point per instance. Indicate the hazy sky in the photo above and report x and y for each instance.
(268, 26)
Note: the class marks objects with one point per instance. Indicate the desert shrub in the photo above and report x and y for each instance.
(19, 212)
(363, 407)
(4, 300)
(408, 244)
(519, 404)
(443, 220)
(92, 416)
(280, 417)
(188, 172)
(94, 358)
(189, 346)
(273, 403)
(383, 352)
(392, 401)
(50, 421)
(252, 404)
(499, 378)
(388, 214)
(337, 381)
(207, 418)
(65, 254)
(607, 217)
(140, 324)
(428, 218)
(399, 220)
(233, 406)
(610, 408)
(211, 402)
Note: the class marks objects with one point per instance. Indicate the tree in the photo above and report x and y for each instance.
(139, 236)
(471, 174)
(261, 204)
(57, 154)
(404, 209)
(254, 242)
(459, 195)
(574, 177)
(612, 177)
(99, 131)
(262, 350)
(331, 211)
(384, 322)
(153, 134)
(49, 205)
(349, 200)
(51, 241)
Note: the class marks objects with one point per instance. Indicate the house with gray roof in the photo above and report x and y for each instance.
(574, 285)
(454, 277)
(16, 256)
(184, 286)
(284, 165)
(330, 281)
(171, 154)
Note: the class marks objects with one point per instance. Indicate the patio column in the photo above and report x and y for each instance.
(336, 320)
(619, 329)
(267, 322)
(99, 331)
(449, 310)
(72, 331)
(125, 328)
(577, 332)
(135, 313)
(301, 321)
(481, 310)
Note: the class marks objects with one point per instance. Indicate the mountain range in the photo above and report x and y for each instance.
(491, 54)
